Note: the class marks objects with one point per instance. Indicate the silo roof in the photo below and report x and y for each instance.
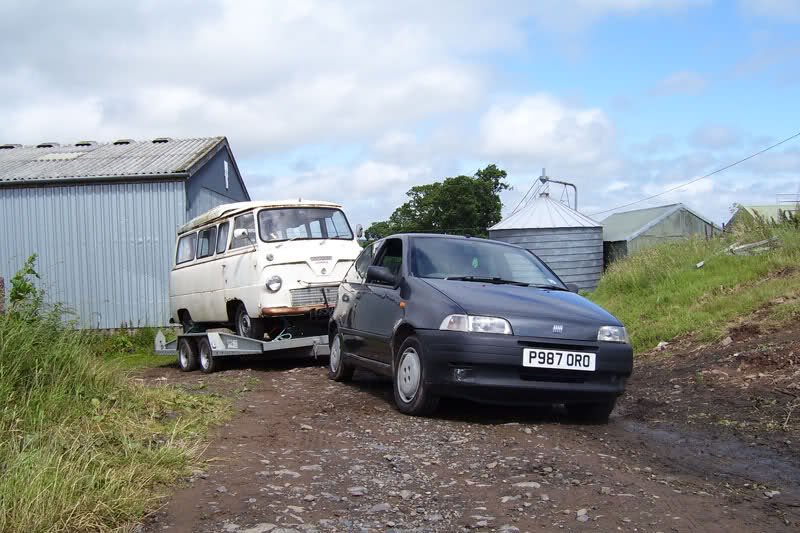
(544, 212)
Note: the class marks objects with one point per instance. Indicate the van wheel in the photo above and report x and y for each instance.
(207, 362)
(187, 355)
(248, 327)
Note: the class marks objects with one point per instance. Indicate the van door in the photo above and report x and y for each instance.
(240, 271)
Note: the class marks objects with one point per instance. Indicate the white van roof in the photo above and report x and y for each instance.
(230, 209)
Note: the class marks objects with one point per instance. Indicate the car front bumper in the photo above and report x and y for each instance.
(488, 368)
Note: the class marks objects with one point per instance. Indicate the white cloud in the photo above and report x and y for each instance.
(683, 82)
(539, 128)
(715, 137)
(783, 10)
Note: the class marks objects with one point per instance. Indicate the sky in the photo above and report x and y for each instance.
(357, 101)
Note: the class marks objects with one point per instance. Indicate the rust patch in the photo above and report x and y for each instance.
(287, 311)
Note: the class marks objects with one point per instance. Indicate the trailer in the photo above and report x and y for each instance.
(204, 350)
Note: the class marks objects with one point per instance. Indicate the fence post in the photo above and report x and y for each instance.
(2, 296)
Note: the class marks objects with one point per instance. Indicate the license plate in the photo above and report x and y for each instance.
(559, 359)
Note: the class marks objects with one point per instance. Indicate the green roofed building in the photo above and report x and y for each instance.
(769, 213)
(631, 231)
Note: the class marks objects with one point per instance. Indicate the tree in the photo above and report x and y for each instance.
(459, 205)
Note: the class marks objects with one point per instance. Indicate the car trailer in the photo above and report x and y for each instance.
(204, 350)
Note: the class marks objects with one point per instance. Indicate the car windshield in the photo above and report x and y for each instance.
(478, 260)
(303, 223)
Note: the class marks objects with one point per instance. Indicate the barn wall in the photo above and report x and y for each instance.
(679, 225)
(207, 187)
(575, 254)
(105, 250)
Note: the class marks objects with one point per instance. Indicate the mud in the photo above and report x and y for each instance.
(686, 450)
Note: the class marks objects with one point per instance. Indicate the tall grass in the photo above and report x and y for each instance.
(659, 294)
(82, 448)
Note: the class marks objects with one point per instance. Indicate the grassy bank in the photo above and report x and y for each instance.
(659, 295)
(83, 448)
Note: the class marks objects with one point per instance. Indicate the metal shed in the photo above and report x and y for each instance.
(631, 231)
(569, 242)
(103, 217)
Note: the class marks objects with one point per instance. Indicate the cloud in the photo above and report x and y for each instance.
(715, 137)
(782, 10)
(539, 128)
(662, 142)
(683, 82)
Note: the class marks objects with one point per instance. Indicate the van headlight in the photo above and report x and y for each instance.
(476, 324)
(612, 334)
(274, 284)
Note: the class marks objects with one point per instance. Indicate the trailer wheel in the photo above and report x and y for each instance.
(207, 362)
(187, 355)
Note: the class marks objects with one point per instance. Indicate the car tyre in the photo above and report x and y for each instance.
(187, 355)
(208, 364)
(338, 368)
(252, 328)
(411, 395)
(593, 413)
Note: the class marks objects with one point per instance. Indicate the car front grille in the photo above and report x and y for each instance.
(314, 296)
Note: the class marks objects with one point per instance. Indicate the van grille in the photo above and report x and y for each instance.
(314, 296)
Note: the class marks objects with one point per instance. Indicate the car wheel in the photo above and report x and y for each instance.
(411, 395)
(187, 355)
(207, 362)
(252, 328)
(594, 413)
(338, 369)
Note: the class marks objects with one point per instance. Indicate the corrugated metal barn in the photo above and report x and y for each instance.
(631, 231)
(103, 217)
(569, 242)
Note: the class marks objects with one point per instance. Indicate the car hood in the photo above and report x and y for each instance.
(531, 311)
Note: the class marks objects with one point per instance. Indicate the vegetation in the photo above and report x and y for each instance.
(659, 294)
(82, 448)
(459, 205)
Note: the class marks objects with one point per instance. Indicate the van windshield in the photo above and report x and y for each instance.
(303, 223)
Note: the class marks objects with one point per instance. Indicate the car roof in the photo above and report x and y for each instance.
(445, 236)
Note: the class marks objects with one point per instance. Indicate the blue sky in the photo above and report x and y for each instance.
(358, 101)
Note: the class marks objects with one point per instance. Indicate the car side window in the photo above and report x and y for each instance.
(207, 242)
(186, 248)
(222, 237)
(244, 222)
(358, 272)
(391, 256)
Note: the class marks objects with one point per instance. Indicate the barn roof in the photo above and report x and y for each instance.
(88, 160)
(771, 211)
(628, 225)
(544, 212)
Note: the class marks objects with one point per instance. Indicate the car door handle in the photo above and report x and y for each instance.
(345, 298)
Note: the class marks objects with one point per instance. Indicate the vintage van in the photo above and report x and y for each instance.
(261, 267)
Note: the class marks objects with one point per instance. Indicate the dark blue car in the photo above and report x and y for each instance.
(476, 319)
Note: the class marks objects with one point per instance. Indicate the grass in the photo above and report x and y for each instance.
(659, 295)
(83, 448)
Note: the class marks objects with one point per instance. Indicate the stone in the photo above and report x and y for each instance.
(506, 499)
(772, 493)
(726, 341)
(305, 427)
(582, 518)
(222, 489)
(528, 485)
(259, 528)
(357, 491)
(380, 508)
(406, 494)
(581, 512)
(605, 490)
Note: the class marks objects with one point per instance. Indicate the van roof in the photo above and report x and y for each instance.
(225, 210)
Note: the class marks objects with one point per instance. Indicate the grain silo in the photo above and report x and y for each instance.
(569, 242)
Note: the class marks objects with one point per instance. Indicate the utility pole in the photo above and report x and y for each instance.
(544, 179)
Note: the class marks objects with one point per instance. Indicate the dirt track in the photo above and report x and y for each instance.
(686, 450)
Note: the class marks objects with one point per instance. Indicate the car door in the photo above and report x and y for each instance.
(379, 309)
(350, 292)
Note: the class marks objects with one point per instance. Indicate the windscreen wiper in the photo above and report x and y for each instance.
(497, 281)
(551, 287)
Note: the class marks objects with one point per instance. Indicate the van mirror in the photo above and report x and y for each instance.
(359, 231)
(241, 233)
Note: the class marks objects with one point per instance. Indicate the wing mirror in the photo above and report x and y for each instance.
(382, 274)
(242, 233)
(359, 231)
(573, 287)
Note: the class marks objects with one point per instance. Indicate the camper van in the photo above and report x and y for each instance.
(261, 268)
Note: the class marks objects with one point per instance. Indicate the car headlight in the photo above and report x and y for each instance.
(612, 334)
(274, 284)
(477, 324)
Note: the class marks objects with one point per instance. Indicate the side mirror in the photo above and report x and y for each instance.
(382, 274)
(359, 231)
(573, 287)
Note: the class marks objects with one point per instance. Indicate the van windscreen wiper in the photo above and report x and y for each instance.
(497, 281)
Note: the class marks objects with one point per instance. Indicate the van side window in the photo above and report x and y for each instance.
(222, 237)
(186, 247)
(207, 242)
(244, 222)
